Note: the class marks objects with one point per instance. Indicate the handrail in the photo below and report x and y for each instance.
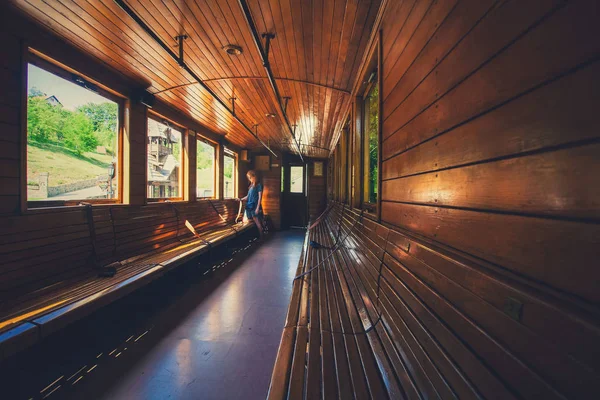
(264, 55)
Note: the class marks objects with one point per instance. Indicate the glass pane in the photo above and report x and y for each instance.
(296, 178)
(371, 143)
(72, 136)
(229, 177)
(164, 155)
(205, 170)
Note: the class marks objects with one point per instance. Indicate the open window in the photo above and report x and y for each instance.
(229, 174)
(205, 168)
(164, 159)
(73, 138)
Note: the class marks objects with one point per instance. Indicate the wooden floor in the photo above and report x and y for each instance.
(187, 336)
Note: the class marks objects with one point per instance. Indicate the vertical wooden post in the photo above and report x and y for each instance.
(189, 155)
(379, 122)
(356, 150)
(220, 165)
(135, 154)
(22, 139)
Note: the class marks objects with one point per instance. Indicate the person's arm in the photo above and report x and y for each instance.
(243, 198)
(259, 200)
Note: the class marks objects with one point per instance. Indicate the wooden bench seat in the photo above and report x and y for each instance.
(437, 338)
(142, 242)
(332, 345)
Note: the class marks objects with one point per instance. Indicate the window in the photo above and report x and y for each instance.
(296, 179)
(164, 160)
(205, 169)
(371, 142)
(229, 174)
(72, 138)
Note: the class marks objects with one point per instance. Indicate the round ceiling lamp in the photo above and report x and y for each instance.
(233, 50)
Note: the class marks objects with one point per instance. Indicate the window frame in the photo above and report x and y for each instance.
(228, 153)
(304, 177)
(367, 204)
(215, 147)
(182, 170)
(373, 210)
(69, 74)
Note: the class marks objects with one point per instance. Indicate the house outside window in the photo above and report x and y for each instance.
(164, 160)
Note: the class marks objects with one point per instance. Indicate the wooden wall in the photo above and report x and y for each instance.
(490, 168)
(40, 247)
(10, 122)
(317, 196)
(271, 179)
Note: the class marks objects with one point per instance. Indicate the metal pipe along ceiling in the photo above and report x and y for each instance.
(183, 65)
(265, 59)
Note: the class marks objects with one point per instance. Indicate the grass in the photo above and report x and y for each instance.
(204, 179)
(65, 166)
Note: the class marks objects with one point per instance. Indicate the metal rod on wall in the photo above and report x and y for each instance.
(265, 59)
(183, 65)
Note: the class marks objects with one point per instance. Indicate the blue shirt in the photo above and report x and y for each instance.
(253, 196)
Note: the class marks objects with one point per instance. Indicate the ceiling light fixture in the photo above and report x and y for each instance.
(270, 115)
(232, 49)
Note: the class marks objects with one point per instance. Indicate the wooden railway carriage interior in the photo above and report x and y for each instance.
(431, 188)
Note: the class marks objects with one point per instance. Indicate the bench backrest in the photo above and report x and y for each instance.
(45, 248)
(464, 328)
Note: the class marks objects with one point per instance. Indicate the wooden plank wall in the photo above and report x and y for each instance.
(490, 160)
(243, 168)
(10, 122)
(317, 200)
(272, 190)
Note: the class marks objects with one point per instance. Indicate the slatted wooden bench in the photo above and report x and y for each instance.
(435, 339)
(48, 272)
(333, 344)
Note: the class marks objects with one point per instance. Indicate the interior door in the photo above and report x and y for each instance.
(294, 196)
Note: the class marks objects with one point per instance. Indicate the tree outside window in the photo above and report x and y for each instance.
(205, 170)
(371, 144)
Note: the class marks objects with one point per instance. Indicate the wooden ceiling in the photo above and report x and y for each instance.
(315, 57)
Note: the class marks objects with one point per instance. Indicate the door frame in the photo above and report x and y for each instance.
(288, 163)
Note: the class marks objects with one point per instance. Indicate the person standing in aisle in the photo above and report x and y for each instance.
(254, 199)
